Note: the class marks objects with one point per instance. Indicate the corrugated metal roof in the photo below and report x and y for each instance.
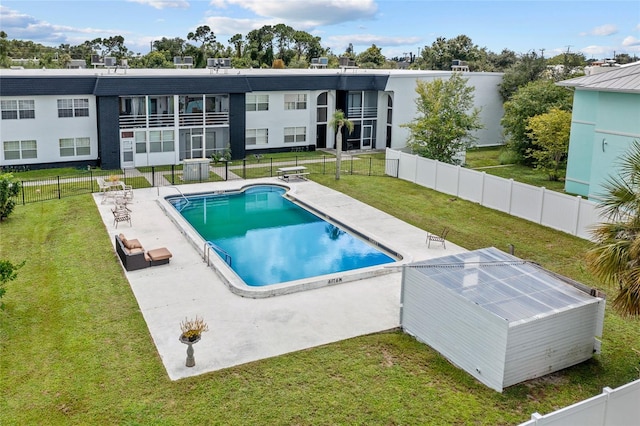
(623, 79)
(508, 287)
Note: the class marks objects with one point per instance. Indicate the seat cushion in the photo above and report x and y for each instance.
(159, 254)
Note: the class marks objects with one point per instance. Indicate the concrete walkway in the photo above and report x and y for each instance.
(244, 329)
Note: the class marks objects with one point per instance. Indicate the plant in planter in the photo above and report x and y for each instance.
(192, 329)
(191, 333)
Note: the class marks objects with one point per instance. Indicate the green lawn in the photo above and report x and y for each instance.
(75, 348)
(488, 160)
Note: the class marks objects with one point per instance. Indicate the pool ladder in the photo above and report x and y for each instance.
(209, 246)
(183, 197)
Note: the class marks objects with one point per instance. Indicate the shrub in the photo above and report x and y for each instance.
(9, 190)
(8, 272)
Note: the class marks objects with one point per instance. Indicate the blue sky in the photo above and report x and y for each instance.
(595, 28)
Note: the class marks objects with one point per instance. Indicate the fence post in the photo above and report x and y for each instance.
(578, 207)
(542, 194)
(351, 166)
(59, 190)
(226, 170)
(22, 186)
(271, 166)
(370, 162)
(244, 168)
(510, 199)
(324, 164)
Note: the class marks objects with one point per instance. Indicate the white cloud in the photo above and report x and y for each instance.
(24, 27)
(597, 51)
(604, 30)
(230, 26)
(342, 41)
(163, 4)
(630, 41)
(313, 12)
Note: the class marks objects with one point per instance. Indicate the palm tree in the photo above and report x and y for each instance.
(616, 257)
(338, 121)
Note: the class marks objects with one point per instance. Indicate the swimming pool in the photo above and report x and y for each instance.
(267, 239)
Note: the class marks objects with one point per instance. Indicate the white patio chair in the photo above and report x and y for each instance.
(438, 238)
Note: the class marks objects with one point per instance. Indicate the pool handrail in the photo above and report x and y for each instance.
(183, 196)
(212, 246)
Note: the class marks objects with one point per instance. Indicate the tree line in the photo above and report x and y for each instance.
(259, 48)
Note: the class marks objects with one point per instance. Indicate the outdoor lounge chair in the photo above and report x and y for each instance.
(438, 238)
(133, 256)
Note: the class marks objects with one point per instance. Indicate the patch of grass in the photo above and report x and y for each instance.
(62, 172)
(76, 350)
(483, 157)
(490, 160)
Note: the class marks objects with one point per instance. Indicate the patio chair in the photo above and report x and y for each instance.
(104, 188)
(438, 238)
(121, 214)
(128, 192)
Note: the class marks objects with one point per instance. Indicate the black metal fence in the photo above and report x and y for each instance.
(86, 181)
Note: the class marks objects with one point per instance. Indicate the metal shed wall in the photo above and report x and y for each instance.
(466, 334)
(549, 344)
(501, 323)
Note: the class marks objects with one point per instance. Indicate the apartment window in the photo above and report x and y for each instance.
(297, 101)
(256, 136)
(161, 141)
(73, 108)
(18, 109)
(257, 103)
(141, 142)
(295, 134)
(70, 147)
(20, 150)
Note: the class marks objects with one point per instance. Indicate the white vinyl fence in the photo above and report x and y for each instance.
(571, 214)
(613, 407)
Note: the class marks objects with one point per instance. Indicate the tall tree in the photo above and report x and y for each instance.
(260, 45)
(550, 132)
(238, 44)
(283, 34)
(206, 37)
(446, 119)
(615, 258)
(528, 68)
(442, 52)
(537, 97)
(114, 46)
(339, 121)
(170, 47)
(371, 58)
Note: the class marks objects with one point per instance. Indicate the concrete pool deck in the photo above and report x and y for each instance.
(242, 329)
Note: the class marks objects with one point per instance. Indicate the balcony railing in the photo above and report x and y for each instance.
(357, 112)
(163, 120)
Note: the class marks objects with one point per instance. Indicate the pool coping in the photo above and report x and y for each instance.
(237, 285)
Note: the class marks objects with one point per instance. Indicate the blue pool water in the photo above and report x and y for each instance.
(270, 240)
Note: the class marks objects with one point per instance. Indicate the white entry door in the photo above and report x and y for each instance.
(127, 153)
(367, 136)
(197, 150)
